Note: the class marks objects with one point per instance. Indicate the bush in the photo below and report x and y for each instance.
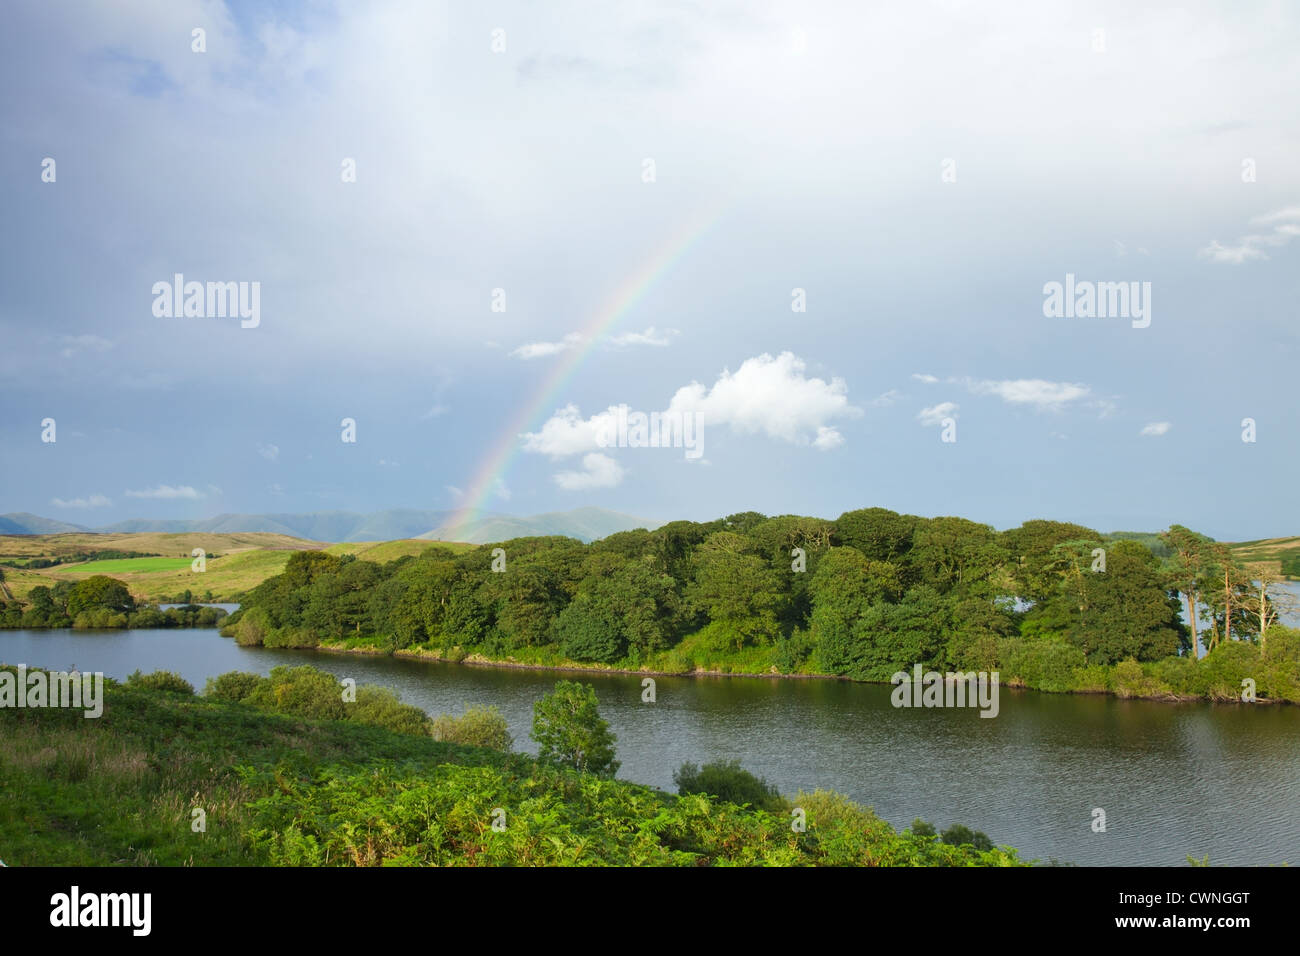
(1176, 673)
(729, 782)
(960, 835)
(478, 727)
(1041, 663)
(380, 707)
(1129, 680)
(303, 691)
(1220, 673)
(233, 686)
(160, 680)
(249, 628)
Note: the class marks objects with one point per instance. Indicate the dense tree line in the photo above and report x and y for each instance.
(98, 602)
(869, 594)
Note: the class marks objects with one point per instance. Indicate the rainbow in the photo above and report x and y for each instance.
(493, 468)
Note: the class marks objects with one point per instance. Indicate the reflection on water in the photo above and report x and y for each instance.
(1174, 779)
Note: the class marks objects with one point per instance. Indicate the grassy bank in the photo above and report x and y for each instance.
(1050, 668)
(289, 790)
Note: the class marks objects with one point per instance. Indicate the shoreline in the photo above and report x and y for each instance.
(478, 660)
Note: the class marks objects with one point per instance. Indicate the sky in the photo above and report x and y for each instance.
(822, 233)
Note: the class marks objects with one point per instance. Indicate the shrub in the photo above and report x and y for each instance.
(478, 727)
(380, 707)
(160, 680)
(1045, 664)
(729, 782)
(1220, 673)
(961, 835)
(304, 691)
(233, 685)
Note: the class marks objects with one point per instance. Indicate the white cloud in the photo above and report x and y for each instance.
(768, 395)
(92, 501)
(434, 412)
(268, 451)
(455, 492)
(922, 377)
(1028, 391)
(500, 490)
(772, 396)
(935, 414)
(542, 349)
(72, 344)
(567, 433)
(1155, 428)
(827, 438)
(275, 489)
(598, 471)
(166, 491)
(886, 399)
(649, 337)
(1285, 225)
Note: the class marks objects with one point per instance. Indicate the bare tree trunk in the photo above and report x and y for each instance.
(1227, 603)
(1191, 617)
(1263, 615)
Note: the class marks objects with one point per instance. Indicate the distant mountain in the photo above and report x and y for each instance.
(314, 526)
(24, 523)
(586, 524)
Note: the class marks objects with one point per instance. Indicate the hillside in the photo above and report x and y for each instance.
(286, 790)
(585, 524)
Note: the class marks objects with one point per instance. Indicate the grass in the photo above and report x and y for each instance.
(126, 566)
(246, 560)
(121, 790)
(1267, 552)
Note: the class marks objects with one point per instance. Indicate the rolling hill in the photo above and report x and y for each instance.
(586, 524)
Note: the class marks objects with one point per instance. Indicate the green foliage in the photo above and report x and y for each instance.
(570, 732)
(477, 727)
(233, 685)
(729, 782)
(960, 835)
(881, 592)
(160, 680)
(99, 593)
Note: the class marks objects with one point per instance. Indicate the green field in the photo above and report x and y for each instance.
(128, 566)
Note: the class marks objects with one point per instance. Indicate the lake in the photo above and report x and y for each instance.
(1173, 779)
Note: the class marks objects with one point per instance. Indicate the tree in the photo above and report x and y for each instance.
(739, 591)
(634, 610)
(1123, 611)
(570, 732)
(954, 553)
(844, 587)
(99, 591)
(1228, 596)
(1038, 558)
(1187, 571)
(1266, 602)
(880, 534)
